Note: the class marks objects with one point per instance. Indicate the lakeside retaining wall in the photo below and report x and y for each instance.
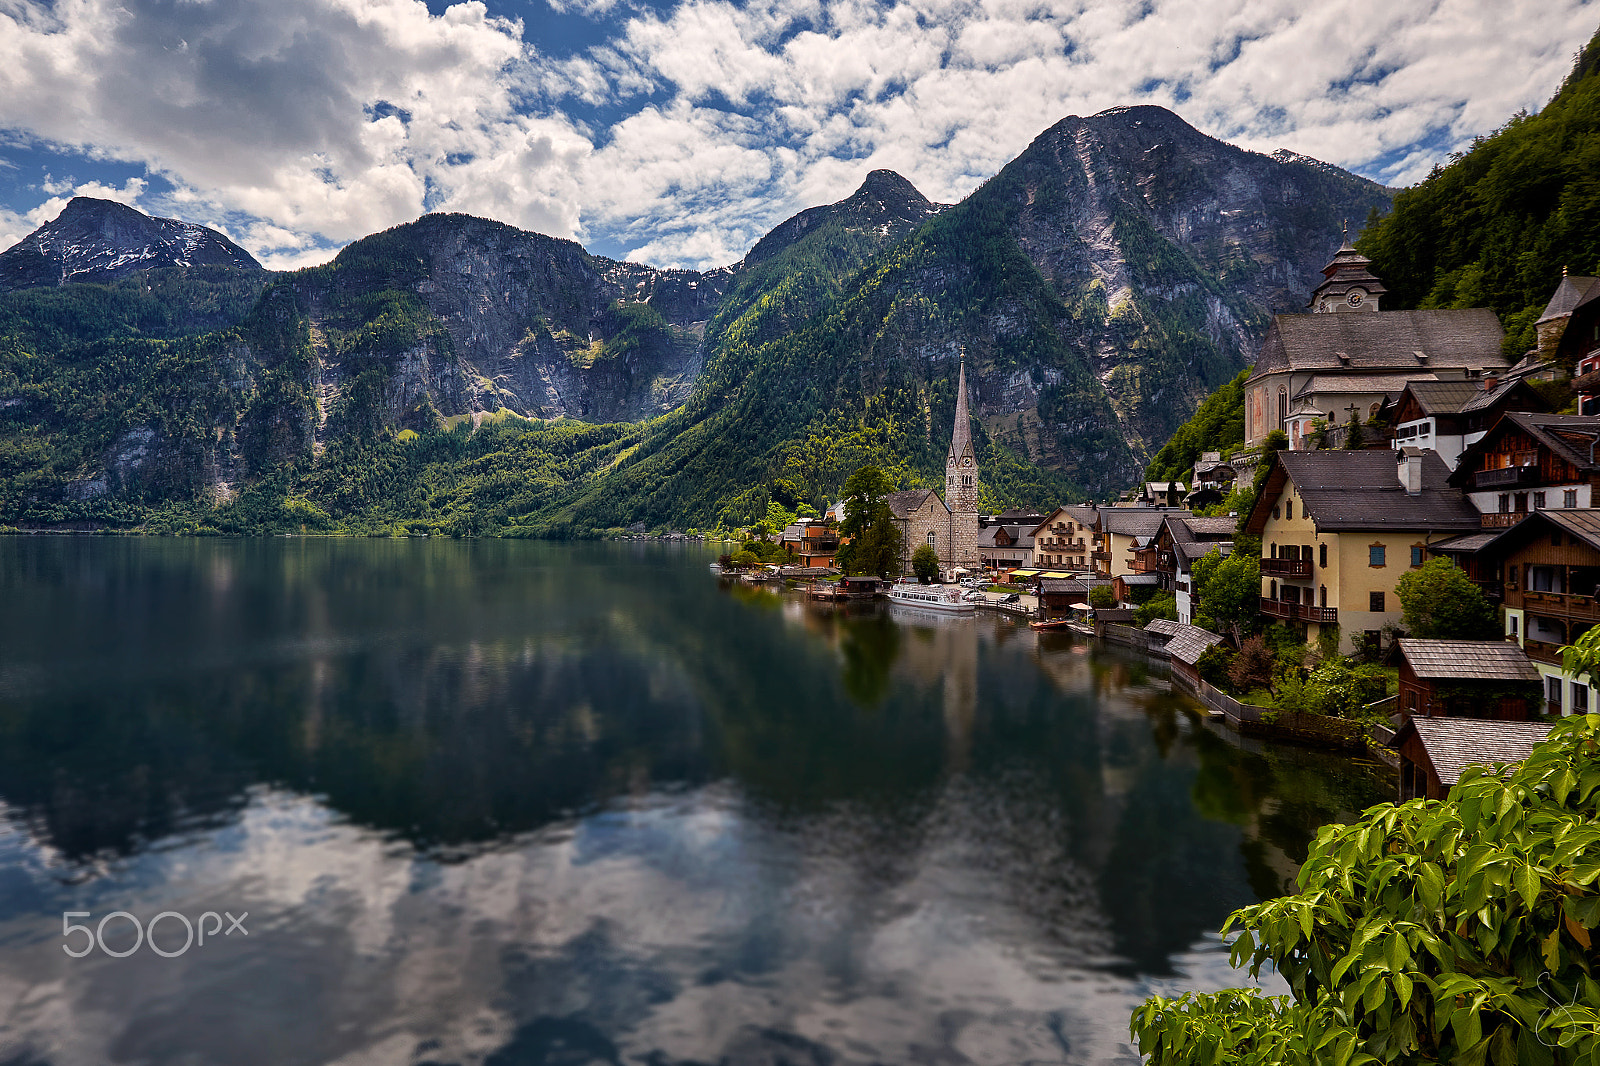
(1251, 720)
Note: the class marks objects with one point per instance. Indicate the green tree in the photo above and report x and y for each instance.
(1353, 438)
(875, 540)
(925, 563)
(1438, 600)
(1101, 597)
(1455, 932)
(1161, 605)
(1229, 592)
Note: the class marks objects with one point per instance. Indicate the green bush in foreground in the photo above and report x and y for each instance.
(1453, 932)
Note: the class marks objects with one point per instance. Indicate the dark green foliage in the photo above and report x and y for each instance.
(1496, 227)
(1438, 600)
(1460, 931)
(925, 563)
(874, 548)
(1161, 605)
(1216, 427)
(1101, 597)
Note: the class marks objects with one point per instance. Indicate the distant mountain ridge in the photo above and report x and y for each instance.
(1100, 284)
(98, 241)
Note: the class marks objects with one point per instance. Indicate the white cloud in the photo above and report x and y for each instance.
(708, 122)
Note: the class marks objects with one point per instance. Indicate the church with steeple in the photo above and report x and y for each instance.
(948, 524)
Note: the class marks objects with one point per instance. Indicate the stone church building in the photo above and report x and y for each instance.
(949, 524)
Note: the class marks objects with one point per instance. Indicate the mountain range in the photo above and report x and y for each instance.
(458, 370)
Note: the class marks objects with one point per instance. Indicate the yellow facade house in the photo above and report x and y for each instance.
(1339, 528)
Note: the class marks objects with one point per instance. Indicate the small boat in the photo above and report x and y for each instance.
(945, 598)
(1053, 623)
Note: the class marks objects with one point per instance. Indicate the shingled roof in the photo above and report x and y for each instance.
(1361, 490)
(1191, 642)
(1135, 521)
(1443, 397)
(905, 501)
(1453, 744)
(1467, 660)
(1570, 295)
(1323, 384)
(1582, 523)
(1382, 341)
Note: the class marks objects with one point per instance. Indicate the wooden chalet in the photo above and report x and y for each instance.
(1451, 416)
(1531, 462)
(813, 543)
(1467, 679)
(1434, 751)
(1550, 569)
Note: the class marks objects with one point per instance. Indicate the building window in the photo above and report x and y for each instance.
(1375, 602)
(1513, 624)
(1273, 593)
(1416, 555)
(930, 539)
(1375, 554)
(1580, 698)
(1552, 692)
(1512, 579)
(1275, 513)
(1288, 509)
(1520, 502)
(1569, 498)
(1505, 503)
(1322, 554)
(966, 481)
(1538, 501)
(1324, 595)
(1555, 539)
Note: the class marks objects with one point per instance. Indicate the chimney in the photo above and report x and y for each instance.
(1491, 381)
(1410, 471)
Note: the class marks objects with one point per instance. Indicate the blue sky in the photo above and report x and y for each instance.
(678, 133)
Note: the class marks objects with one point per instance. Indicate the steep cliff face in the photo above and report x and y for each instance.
(100, 240)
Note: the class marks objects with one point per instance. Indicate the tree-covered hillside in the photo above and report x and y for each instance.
(1496, 227)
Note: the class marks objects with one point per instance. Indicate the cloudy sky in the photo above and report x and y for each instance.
(678, 133)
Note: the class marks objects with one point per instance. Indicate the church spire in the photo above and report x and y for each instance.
(961, 435)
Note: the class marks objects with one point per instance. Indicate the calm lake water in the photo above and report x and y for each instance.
(509, 802)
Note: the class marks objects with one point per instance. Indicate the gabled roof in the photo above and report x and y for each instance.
(1467, 543)
(1568, 436)
(1054, 586)
(1191, 642)
(1488, 398)
(1021, 536)
(1442, 397)
(1135, 521)
(1361, 490)
(1382, 340)
(1139, 579)
(1085, 514)
(1453, 744)
(905, 501)
(1570, 295)
(1468, 660)
(1582, 523)
(1166, 627)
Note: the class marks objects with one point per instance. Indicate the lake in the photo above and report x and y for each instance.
(512, 802)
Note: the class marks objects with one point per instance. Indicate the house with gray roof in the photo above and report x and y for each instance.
(1435, 751)
(1349, 358)
(1530, 461)
(1339, 528)
(1451, 416)
(1467, 679)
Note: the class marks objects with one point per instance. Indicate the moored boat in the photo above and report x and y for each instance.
(945, 598)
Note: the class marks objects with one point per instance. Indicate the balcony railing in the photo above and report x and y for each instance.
(1299, 612)
(1501, 519)
(1287, 567)
(1101, 557)
(1543, 651)
(1505, 477)
(1558, 605)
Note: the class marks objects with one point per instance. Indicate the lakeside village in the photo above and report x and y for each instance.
(1417, 577)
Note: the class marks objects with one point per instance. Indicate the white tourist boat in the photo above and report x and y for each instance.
(944, 598)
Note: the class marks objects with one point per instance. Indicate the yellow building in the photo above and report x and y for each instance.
(1125, 530)
(1338, 528)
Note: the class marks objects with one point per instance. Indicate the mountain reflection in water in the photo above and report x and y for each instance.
(515, 802)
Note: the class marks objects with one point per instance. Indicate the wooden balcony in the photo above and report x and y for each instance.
(1286, 567)
(1501, 519)
(1542, 651)
(1565, 606)
(1299, 612)
(1506, 477)
(1100, 557)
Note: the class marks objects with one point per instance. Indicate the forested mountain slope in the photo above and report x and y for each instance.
(1498, 225)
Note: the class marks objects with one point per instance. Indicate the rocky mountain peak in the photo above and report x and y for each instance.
(95, 240)
(885, 202)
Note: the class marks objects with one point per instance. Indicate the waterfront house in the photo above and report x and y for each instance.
(1466, 679)
(814, 542)
(1348, 358)
(1172, 552)
(1337, 530)
(1057, 596)
(1549, 569)
(1122, 532)
(1451, 416)
(1531, 462)
(1434, 751)
(1065, 538)
(1003, 546)
(1184, 649)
